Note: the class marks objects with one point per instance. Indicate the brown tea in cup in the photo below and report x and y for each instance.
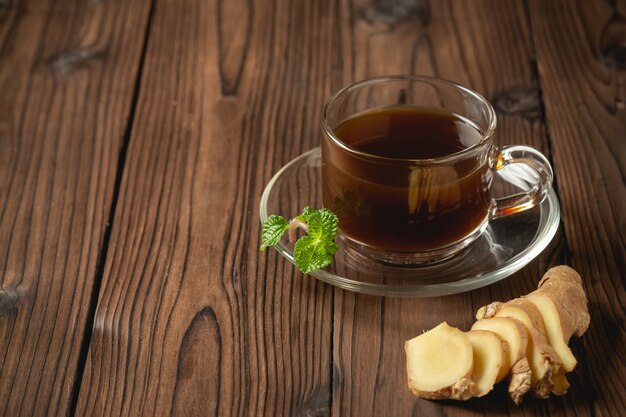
(407, 207)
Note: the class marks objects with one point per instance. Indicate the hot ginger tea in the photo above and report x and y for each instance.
(393, 187)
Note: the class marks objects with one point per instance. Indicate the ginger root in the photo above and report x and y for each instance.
(440, 364)
(544, 362)
(490, 359)
(562, 302)
(525, 338)
(514, 333)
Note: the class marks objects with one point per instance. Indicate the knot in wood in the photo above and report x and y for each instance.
(522, 101)
(315, 405)
(615, 53)
(67, 61)
(8, 299)
(393, 12)
(613, 42)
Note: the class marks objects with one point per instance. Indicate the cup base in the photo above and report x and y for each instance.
(359, 251)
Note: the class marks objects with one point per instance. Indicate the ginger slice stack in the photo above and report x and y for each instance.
(524, 341)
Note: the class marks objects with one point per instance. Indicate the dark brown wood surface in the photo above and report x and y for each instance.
(67, 76)
(581, 49)
(136, 139)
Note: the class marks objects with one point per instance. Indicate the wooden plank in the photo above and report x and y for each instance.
(580, 47)
(192, 319)
(66, 70)
(487, 46)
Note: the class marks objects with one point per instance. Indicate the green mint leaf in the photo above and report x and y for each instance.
(311, 254)
(273, 229)
(313, 251)
(306, 212)
(316, 250)
(323, 225)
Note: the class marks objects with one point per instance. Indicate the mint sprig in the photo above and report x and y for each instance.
(273, 229)
(312, 251)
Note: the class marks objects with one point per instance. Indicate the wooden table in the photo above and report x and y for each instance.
(136, 138)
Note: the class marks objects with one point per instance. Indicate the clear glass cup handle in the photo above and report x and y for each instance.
(536, 172)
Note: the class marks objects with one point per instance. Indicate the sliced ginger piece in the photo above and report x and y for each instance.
(514, 333)
(505, 367)
(543, 360)
(554, 332)
(439, 364)
(489, 359)
(511, 331)
(562, 303)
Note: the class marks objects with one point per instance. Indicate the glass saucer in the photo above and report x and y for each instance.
(506, 246)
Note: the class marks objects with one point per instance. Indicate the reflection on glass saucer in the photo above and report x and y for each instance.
(507, 245)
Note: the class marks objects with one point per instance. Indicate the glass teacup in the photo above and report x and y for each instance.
(408, 163)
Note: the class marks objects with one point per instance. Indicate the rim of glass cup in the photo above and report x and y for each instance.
(491, 114)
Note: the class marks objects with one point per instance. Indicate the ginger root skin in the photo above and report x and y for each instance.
(519, 380)
(565, 287)
(463, 389)
(562, 303)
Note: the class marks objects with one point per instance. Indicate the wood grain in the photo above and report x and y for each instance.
(192, 319)
(168, 117)
(67, 71)
(581, 51)
(486, 45)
